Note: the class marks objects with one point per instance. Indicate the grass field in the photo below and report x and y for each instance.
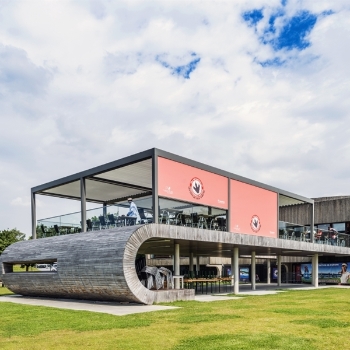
(295, 320)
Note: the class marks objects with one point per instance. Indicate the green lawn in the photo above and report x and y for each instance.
(292, 320)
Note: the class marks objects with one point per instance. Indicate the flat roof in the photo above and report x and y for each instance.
(132, 176)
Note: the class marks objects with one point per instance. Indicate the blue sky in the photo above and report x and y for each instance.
(265, 83)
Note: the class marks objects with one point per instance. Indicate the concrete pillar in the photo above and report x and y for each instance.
(268, 261)
(279, 270)
(33, 209)
(253, 271)
(315, 270)
(236, 270)
(191, 263)
(197, 263)
(233, 267)
(177, 264)
(104, 209)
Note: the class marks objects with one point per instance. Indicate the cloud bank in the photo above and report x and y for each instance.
(258, 88)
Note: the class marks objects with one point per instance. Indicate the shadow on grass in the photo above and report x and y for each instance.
(200, 317)
(247, 342)
(323, 323)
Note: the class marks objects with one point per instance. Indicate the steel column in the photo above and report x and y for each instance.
(83, 204)
(33, 211)
(155, 199)
(312, 222)
(105, 209)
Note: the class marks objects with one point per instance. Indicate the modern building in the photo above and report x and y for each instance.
(186, 209)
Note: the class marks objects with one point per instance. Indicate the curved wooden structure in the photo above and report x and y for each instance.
(97, 265)
(100, 265)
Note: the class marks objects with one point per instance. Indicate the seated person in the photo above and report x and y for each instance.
(133, 212)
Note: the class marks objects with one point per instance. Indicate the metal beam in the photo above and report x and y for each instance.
(211, 169)
(135, 158)
(118, 183)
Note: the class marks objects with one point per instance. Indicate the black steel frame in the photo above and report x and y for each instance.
(153, 154)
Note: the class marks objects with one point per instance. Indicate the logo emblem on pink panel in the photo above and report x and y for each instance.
(196, 188)
(255, 224)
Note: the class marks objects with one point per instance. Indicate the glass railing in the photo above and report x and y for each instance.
(294, 232)
(297, 232)
(96, 219)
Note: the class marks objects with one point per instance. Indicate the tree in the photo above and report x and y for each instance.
(8, 237)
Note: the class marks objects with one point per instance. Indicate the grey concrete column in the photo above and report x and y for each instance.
(233, 266)
(177, 264)
(190, 267)
(104, 209)
(236, 270)
(268, 261)
(279, 270)
(33, 210)
(315, 270)
(83, 204)
(253, 271)
(197, 263)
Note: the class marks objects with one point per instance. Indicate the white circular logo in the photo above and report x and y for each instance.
(255, 223)
(196, 188)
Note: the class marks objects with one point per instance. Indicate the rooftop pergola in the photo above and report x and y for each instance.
(133, 176)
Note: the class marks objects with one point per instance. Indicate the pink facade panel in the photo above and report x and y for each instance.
(253, 210)
(190, 184)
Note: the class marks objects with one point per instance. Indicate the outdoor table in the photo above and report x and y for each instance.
(203, 281)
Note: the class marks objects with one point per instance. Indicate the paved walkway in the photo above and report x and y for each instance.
(118, 309)
(121, 309)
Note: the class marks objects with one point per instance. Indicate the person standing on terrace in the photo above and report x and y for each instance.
(333, 235)
(133, 212)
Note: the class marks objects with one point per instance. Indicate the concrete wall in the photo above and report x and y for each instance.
(327, 209)
(296, 214)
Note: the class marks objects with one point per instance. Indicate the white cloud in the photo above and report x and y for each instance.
(19, 201)
(80, 85)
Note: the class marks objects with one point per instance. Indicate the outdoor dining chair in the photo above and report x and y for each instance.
(111, 220)
(103, 223)
(57, 230)
(143, 217)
